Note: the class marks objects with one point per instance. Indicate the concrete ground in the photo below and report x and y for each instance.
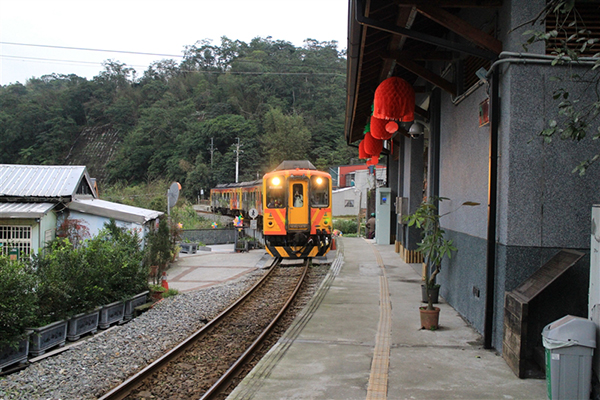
(360, 338)
(207, 268)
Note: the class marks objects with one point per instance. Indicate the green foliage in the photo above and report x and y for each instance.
(104, 269)
(346, 226)
(579, 112)
(188, 218)
(284, 137)
(281, 101)
(152, 195)
(170, 293)
(18, 303)
(159, 247)
(433, 246)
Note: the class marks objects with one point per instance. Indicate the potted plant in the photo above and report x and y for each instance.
(157, 291)
(434, 247)
(159, 250)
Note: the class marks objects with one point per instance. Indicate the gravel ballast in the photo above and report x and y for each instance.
(100, 362)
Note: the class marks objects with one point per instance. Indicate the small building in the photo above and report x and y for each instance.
(34, 199)
(350, 194)
(98, 212)
(345, 201)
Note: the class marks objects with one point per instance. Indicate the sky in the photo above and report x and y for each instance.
(162, 28)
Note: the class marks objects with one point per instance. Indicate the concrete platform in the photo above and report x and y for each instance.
(207, 268)
(360, 338)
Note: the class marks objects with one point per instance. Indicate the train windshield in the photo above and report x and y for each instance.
(319, 191)
(275, 193)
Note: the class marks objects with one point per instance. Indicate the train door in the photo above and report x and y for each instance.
(298, 207)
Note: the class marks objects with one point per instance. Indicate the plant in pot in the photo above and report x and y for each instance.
(434, 247)
(159, 250)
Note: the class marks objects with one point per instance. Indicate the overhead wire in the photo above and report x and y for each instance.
(89, 49)
(59, 61)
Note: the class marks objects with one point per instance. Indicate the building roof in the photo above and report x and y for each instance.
(344, 189)
(44, 181)
(25, 210)
(108, 209)
(402, 38)
(293, 164)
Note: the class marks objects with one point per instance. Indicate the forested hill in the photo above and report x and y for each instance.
(181, 120)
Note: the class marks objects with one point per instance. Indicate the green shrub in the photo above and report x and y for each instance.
(57, 269)
(345, 225)
(188, 218)
(18, 302)
(170, 292)
(104, 269)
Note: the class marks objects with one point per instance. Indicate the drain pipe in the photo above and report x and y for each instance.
(490, 288)
(493, 75)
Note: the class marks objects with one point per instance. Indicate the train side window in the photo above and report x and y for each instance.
(319, 191)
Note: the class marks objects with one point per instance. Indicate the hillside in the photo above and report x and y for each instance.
(182, 120)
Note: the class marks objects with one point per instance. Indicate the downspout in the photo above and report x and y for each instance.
(492, 203)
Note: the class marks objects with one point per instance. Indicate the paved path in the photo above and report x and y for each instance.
(207, 268)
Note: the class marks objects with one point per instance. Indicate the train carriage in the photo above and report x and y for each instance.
(294, 206)
(236, 198)
(297, 219)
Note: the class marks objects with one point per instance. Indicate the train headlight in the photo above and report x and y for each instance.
(319, 180)
(276, 181)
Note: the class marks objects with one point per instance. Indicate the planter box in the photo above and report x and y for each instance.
(46, 337)
(134, 302)
(10, 355)
(81, 324)
(189, 248)
(111, 313)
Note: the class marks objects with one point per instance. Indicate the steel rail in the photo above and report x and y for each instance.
(223, 382)
(124, 389)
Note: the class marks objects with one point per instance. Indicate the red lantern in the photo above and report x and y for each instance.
(394, 99)
(361, 151)
(372, 146)
(373, 160)
(379, 128)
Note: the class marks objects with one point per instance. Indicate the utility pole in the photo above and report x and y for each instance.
(212, 150)
(237, 159)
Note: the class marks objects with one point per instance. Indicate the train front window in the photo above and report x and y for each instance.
(319, 191)
(275, 193)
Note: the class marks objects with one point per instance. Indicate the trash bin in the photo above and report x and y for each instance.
(569, 343)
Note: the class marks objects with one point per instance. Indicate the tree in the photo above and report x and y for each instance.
(285, 138)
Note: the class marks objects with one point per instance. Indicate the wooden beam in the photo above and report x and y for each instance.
(422, 112)
(428, 75)
(452, 3)
(462, 28)
(404, 18)
(419, 55)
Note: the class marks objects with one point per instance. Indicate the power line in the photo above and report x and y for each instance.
(58, 61)
(88, 49)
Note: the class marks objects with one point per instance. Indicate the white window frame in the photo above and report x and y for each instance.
(18, 236)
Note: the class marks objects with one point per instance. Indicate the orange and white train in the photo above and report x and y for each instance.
(294, 206)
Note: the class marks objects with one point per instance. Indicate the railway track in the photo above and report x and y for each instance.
(204, 364)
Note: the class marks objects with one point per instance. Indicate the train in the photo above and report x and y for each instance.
(293, 204)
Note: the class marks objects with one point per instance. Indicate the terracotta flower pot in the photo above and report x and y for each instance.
(430, 318)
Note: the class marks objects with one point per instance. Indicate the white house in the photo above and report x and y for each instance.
(35, 198)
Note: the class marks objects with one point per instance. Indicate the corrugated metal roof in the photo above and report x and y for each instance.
(117, 211)
(40, 180)
(25, 210)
